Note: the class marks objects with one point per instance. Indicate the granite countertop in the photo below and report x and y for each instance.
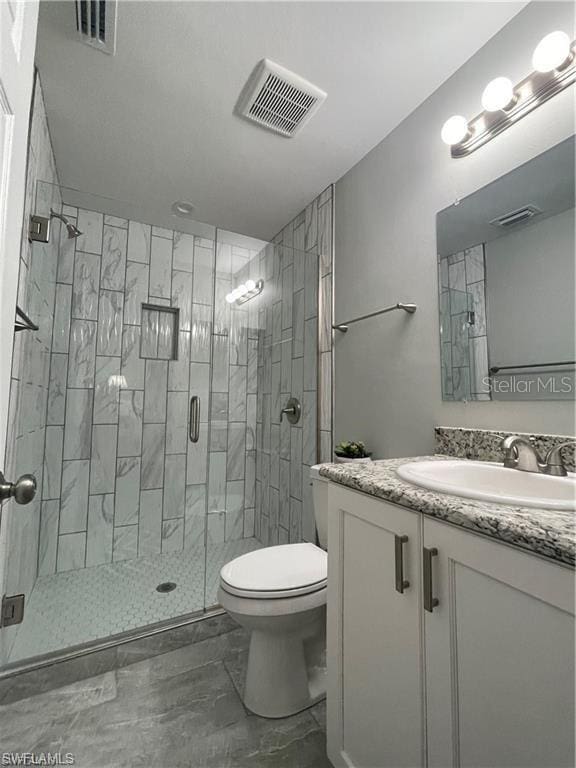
(547, 532)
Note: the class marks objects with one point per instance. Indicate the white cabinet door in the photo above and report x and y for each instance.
(375, 673)
(499, 655)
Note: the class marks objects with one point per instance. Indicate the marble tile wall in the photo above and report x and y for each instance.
(464, 345)
(31, 361)
(121, 478)
(294, 359)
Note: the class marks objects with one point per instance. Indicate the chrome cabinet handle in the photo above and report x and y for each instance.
(430, 602)
(194, 424)
(23, 490)
(401, 583)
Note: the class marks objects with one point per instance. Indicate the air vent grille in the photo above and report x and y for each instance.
(516, 217)
(278, 99)
(96, 23)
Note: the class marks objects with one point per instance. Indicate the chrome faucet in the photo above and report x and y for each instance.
(520, 453)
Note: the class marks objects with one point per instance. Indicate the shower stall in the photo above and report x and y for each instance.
(148, 406)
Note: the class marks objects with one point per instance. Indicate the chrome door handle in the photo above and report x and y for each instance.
(194, 423)
(401, 583)
(23, 490)
(430, 602)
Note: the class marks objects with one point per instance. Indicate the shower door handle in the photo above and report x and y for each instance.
(194, 423)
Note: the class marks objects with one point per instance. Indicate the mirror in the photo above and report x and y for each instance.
(506, 280)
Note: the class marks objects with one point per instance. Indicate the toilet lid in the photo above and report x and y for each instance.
(286, 570)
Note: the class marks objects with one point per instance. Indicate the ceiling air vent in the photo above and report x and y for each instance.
(278, 99)
(96, 23)
(516, 217)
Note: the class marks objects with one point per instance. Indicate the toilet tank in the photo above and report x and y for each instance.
(320, 500)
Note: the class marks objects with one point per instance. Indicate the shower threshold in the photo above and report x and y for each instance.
(75, 612)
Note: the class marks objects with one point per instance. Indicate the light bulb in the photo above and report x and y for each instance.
(551, 52)
(454, 130)
(250, 285)
(230, 298)
(242, 290)
(498, 94)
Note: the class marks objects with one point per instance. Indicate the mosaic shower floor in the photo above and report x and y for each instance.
(75, 607)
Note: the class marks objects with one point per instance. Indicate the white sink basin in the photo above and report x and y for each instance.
(493, 482)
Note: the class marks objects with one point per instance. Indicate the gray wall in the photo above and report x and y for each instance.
(388, 369)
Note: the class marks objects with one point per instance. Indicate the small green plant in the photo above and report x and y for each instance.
(352, 449)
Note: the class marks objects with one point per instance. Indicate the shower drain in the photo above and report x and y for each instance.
(166, 586)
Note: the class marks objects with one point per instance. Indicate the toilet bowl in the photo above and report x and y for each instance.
(279, 595)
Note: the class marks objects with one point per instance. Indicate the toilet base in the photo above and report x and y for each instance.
(286, 670)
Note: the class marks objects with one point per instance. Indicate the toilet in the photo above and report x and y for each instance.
(279, 595)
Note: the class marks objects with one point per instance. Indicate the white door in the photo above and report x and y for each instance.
(499, 655)
(375, 673)
(18, 21)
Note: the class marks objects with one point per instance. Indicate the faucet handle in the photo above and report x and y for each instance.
(554, 464)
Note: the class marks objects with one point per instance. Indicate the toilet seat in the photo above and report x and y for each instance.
(283, 571)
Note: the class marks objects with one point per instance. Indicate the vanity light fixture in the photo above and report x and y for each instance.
(504, 103)
(245, 292)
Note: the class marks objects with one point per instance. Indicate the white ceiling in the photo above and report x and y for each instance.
(155, 123)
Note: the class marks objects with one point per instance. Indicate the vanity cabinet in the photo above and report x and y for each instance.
(472, 665)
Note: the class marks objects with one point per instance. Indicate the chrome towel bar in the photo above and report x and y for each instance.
(410, 308)
(497, 368)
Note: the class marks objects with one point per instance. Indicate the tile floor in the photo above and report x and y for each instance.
(75, 607)
(178, 709)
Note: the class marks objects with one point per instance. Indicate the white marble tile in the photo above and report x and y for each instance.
(114, 258)
(295, 531)
(474, 258)
(177, 422)
(220, 358)
(203, 274)
(48, 539)
(127, 490)
(136, 292)
(298, 324)
(90, 224)
(52, 473)
(103, 460)
(311, 286)
(459, 339)
(82, 354)
(174, 486)
(252, 373)
(130, 422)
(150, 333)
(153, 446)
(71, 552)
(298, 259)
(457, 276)
(309, 428)
(287, 296)
(74, 498)
(201, 329)
(196, 464)
(236, 451)
(308, 519)
(125, 546)
(237, 389)
(167, 327)
(251, 408)
(85, 288)
(65, 259)
(172, 535)
(195, 521)
(325, 404)
(461, 381)
(106, 390)
(217, 482)
(100, 532)
(150, 526)
(183, 255)
(78, 427)
(296, 463)
(138, 242)
(155, 388)
(161, 232)
(311, 225)
(325, 237)
(297, 388)
(477, 291)
(115, 221)
(479, 365)
(200, 386)
(179, 370)
(325, 314)
(325, 446)
(132, 365)
(160, 267)
(284, 494)
(182, 297)
(57, 389)
(110, 323)
(61, 327)
(310, 354)
(234, 522)
(216, 527)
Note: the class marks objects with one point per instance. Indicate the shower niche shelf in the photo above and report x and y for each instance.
(159, 337)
